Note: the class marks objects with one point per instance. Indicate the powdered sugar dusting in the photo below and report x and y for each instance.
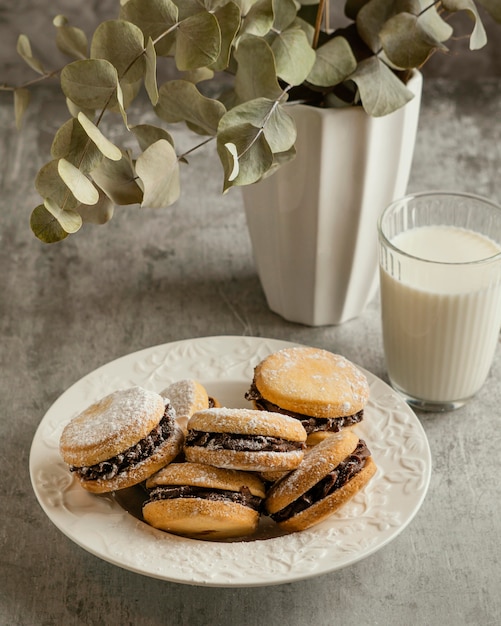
(126, 412)
(247, 422)
(312, 381)
(181, 395)
(186, 396)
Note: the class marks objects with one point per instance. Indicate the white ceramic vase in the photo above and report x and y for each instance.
(313, 223)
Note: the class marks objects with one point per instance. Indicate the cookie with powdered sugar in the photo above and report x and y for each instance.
(330, 475)
(323, 390)
(188, 396)
(245, 439)
(121, 440)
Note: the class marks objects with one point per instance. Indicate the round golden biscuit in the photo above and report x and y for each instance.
(215, 517)
(186, 396)
(325, 507)
(247, 422)
(272, 476)
(318, 436)
(203, 475)
(245, 460)
(164, 454)
(201, 519)
(110, 426)
(320, 460)
(312, 381)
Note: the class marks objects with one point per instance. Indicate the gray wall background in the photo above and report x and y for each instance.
(34, 18)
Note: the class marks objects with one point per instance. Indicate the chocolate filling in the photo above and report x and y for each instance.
(336, 479)
(108, 469)
(311, 424)
(243, 497)
(241, 443)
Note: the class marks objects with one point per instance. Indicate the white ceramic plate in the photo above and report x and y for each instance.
(100, 525)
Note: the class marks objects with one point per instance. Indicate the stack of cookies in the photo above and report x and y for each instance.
(211, 472)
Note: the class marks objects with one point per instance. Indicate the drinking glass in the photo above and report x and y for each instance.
(440, 279)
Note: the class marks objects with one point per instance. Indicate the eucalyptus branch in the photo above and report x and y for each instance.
(107, 104)
(30, 83)
(266, 119)
(196, 147)
(263, 46)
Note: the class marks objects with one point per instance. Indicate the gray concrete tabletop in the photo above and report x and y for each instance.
(152, 277)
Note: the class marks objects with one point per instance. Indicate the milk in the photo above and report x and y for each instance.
(441, 320)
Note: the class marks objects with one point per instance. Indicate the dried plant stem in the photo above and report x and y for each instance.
(318, 22)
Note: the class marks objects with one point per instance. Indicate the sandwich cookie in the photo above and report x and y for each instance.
(330, 475)
(121, 440)
(245, 439)
(187, 396)
(204, 502)
(324, 391)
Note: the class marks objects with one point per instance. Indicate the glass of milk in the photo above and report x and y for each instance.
(440, 279)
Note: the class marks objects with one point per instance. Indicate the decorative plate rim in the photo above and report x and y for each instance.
(224, 364)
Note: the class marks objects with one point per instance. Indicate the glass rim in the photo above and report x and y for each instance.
(437, 193)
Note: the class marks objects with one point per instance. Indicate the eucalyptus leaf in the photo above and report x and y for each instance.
(21, 102)
(233, 158)
(72, 143)
(493, 7)
(266, 116)
(352, 7)
(246, 5)
(60, 20)
(118, 181)
(432, 21)
(126, 94)
(75, 110)
(279, 159)
(247, 145)
(122, 104)
(180, 100)
(259, 18)
(146, 134)
(334, 62)
(79, 185)
(45, 226)
(188, 8)
(122, 44)
(256, 74)
(228, 17)
(478, 37)
(198, 41)
(70, 221)
(157, 19)
(406, 42)
(198, 75)
(90, 84)
(98, 213)
(308, 29)
(49, 184)
(70, 40)
(381, 92)
(104, 145)
(294, 57)
(158, 169)
(24, 51)
(284, 14)
(150, 77)
(372, 16)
